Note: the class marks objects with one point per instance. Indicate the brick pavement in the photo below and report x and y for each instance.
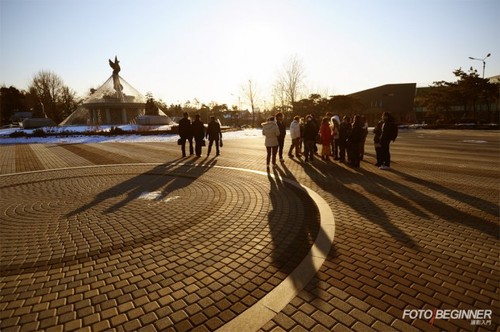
(421, 236)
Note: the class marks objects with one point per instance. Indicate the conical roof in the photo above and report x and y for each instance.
(108, 105)
(106, 93)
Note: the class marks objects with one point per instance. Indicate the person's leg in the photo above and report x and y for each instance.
(268, 157)
(290, 151)
(378, 155)
(210, 142)
(198, 148)
(281, 144)
(336, 149)
(306, 150)
(275, 152)
(355, 155)
(217, 150)
(183, 147)
(384, 154)
(362, 149)
(388, 155)
(342, 151)
(190, 146)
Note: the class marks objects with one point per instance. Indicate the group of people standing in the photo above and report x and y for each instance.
(344, 140)
(196, 130)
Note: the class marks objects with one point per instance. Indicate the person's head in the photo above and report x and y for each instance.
(212, 118)
(296, 118)
(271, 118)
(309, 118)
(346, 119)
(386, 116)
(326, 120)
(279, 116)
(197, 116)
(336, 119)
(329, 115)
(185, 115)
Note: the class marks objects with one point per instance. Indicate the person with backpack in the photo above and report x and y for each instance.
(388, 135)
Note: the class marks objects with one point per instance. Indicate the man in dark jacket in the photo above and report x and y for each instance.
(344, 131)
(389, 133)
(214, 134)
(354, 141)
(186, 133)
(281, 137)
(198, 134)
(310, 133)
(377, 132)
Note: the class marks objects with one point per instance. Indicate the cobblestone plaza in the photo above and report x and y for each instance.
(129, 236)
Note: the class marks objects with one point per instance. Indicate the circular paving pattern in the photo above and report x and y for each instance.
(158, 245)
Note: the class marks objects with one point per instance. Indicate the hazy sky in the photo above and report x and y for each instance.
(181, 50)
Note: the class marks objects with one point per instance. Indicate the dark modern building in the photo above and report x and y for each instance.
(394, 98)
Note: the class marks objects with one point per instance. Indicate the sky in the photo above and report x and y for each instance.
(209, 50)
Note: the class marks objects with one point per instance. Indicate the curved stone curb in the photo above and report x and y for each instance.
(273, 302)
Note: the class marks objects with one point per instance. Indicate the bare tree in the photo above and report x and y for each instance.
(290, 82)
(58, 100)
(250, 93)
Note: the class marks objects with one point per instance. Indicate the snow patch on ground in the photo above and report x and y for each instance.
(74, 139)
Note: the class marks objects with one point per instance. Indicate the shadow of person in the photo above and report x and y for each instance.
(393, 191)
(162, 178)
(294, 237)
(337, 185)
(474, 201)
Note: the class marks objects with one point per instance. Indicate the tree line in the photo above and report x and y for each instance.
(470, 97)
(46, 89)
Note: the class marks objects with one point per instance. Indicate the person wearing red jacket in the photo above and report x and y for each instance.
(325, 132)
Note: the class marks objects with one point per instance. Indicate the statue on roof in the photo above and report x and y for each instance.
(116, 78)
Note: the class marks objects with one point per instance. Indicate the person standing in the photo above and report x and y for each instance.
(364, 122)
(198, 134)
(354, 141)
(377, 132)
(281, 137)
(310, 133)
(344, 131)
(214, 134)
(271, 131)
(316, 124)
(295, 136)
(335, 136)
(389, 133)
(186, 133)
(325, 132)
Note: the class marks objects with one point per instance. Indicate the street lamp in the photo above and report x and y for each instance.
(484, 62)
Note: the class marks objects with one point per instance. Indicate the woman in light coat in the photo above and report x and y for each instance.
(295, 136)
(271, 131)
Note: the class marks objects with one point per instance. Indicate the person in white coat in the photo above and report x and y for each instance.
(295, 136)
(271, 131)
